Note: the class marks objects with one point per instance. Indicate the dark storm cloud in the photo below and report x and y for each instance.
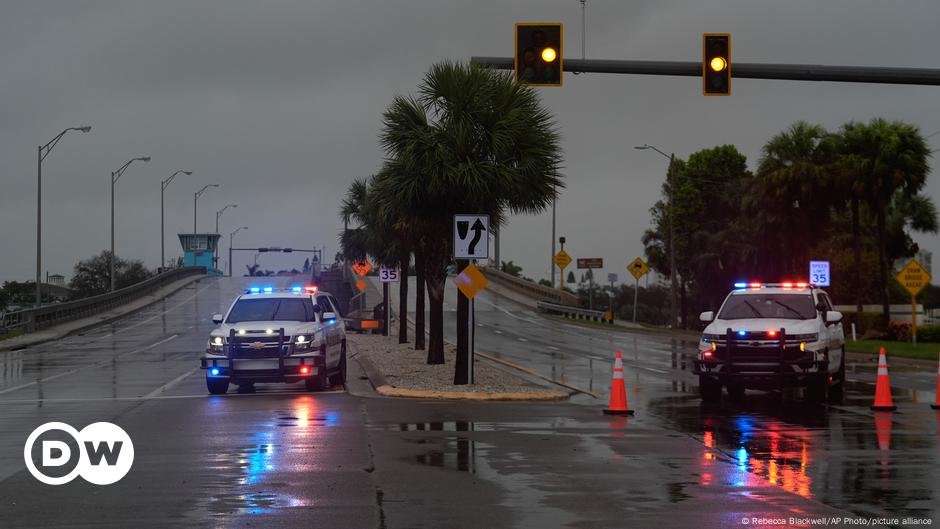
(280, 103)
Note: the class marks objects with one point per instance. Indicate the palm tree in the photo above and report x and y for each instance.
(473, 141)
(882, 158)
(793, 196)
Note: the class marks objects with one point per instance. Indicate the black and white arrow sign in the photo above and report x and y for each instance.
(471, 236)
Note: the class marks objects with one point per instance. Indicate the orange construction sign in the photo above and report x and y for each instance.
(471, 281)
(361, 268)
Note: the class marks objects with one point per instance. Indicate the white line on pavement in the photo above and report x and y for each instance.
(170, 384)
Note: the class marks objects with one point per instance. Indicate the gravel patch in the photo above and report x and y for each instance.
(404, 367)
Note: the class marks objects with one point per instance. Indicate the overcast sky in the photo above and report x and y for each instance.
(280, 102)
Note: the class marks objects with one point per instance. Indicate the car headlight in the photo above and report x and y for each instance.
(303, 342)
(218, 341)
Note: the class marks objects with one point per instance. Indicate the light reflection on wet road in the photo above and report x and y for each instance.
(283, 457)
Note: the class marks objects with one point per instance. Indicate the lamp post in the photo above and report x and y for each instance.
(219, 214)
(163, 185)
(115, 176)
(196, 196)
(673, 283)
(44, 151)
(231, 238)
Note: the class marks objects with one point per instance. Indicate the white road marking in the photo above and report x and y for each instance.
(77, 369)
(170, 384)
(553, 348)
(497, 331)
(522, 339)
(299, 392)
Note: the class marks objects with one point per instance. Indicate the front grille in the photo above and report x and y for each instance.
(258, 345)
(757, 353)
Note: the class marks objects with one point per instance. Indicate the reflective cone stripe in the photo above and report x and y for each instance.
(936, 404)
(883, 400)
(618, 390)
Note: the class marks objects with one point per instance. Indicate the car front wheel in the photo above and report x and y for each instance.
(217, 386)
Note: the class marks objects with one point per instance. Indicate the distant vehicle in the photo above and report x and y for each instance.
(770, 336)
(271, 335)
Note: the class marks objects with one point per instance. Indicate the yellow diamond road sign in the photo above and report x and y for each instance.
(913, 277)
(638, 268)
(471, 281)
(562, 259)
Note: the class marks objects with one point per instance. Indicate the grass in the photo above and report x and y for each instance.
(10, 334)
(925, 351)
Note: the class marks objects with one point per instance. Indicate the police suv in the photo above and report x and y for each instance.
(772, 336)
(271, 335)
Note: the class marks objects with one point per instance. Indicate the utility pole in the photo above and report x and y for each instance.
(163, 185)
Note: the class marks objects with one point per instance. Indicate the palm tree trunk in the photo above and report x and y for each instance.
(434, 274)
(683, 304)
(857, 260)
(463, 337)
(419, 299)
(883, 265)
(403, 299)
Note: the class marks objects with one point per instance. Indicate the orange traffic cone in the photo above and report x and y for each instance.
(936, 404)
(883, 401)
(618, 391)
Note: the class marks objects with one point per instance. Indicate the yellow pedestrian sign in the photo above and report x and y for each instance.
(562, 259)
(471, 281)
(913, 277)
(638, 268)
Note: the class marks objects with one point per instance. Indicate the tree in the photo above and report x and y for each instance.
(879, 159)
(93, 276)
(474, 140)
(511, 268)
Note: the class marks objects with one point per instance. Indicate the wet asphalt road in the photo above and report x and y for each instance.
(282, 457)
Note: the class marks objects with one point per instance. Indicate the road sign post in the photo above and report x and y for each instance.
(562, 260)
(819, 273)
(590, 263)
(638, 268)
(470, 282)
(471, 236)
(913, 277)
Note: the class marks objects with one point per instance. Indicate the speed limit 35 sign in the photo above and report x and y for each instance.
(388, 275)
(819, 273)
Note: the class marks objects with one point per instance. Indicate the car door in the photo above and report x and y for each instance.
(836, 337)
(340, 322)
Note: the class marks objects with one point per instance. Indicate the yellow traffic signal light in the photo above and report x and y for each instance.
(539, 53)
(716, 64)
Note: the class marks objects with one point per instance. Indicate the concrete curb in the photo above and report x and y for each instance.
(382, 387)
(12, 344)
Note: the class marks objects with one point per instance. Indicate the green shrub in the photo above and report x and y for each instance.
(869, 321)
(928, 333)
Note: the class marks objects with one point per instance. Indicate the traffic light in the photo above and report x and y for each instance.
(716, 64)
(538, 52)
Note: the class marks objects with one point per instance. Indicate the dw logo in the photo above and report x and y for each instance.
(55, 453)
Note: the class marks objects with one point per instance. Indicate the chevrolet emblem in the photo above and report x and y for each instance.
(257, 345)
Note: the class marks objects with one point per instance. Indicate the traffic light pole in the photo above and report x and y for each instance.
(792, 72)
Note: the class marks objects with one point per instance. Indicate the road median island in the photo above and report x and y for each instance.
(397, 370)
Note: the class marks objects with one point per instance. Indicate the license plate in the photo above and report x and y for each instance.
(255, 365)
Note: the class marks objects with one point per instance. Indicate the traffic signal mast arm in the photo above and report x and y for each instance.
(792, 72)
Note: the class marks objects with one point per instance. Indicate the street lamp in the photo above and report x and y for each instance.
(673, 284)
(44, 151)
(196, 196)
(219, 214)
(231, 237)
(115, 176)
(163, 185)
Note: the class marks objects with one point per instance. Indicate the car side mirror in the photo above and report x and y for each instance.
(216, 319)
(707, 317)
(329, 316)
(833, 316)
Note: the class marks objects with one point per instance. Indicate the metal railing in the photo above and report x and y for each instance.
(31, 320)
(539, 292)
(572, 312)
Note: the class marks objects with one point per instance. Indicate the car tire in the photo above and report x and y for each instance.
(217, 386)
(736, 392)
(340, 377)
(315, 383)
(709, 389)
(837, 389)
(817, 389)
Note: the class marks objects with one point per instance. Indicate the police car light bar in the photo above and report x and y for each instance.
(786, 284)
(311, 289)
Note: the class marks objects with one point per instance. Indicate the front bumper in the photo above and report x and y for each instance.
(277, 363)
(764, 365)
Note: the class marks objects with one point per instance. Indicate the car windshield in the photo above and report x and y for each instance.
(271, 309)
(781, 306)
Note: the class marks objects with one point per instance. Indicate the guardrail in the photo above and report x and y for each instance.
(539, 292)
(572, 312)
(32, 320)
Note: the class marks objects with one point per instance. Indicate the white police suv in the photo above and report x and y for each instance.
(271, 335)
(771, 336)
